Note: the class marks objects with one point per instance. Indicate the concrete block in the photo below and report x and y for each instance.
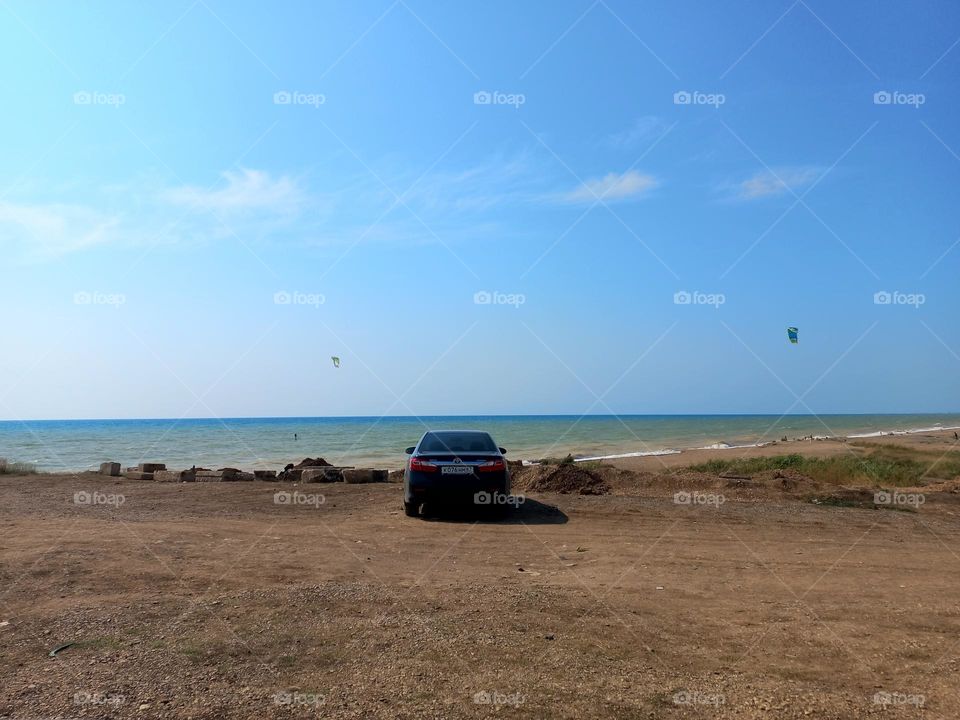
(266, 475)
(365, 475)
(110, 468)
(151, 467)
(174, 476)
(321, 474)
(223, 475)
(137, 475)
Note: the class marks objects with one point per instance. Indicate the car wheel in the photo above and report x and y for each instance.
(411, 509)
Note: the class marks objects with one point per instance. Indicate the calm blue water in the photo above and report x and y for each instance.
(268, 443)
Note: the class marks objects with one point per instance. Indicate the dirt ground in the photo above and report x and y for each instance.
(940, 441)
(218, 601)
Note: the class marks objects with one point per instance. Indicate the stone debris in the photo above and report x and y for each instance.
(365, 475)
(175, 476)
(308, 470)
(151, 467)
(321, 474)
(222, 475)
(290, 474)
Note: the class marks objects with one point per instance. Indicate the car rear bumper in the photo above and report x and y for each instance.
(478, 488)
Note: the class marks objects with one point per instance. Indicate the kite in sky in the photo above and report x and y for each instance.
(336, 361)
(792, 334)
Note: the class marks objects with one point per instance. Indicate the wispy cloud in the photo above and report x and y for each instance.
(458, 202)
(497, 180)
(613, 186)
(244, 191)
(644, 129)
(48, 231)
(778, 181)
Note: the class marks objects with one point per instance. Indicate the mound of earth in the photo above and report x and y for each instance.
(566, 479)
(312, 462)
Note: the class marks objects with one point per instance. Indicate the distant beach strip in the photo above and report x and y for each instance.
(270, 443)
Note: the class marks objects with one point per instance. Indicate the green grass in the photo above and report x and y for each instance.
(881, 466)
(750, 466)
(15, 468)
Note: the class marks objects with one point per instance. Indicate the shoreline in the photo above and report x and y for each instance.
(527, 444)
(938, 441)
(933, 439)
(722, 446)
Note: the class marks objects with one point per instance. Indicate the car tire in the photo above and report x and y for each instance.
(411, 509)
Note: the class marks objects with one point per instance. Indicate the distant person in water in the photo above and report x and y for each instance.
(294, 436)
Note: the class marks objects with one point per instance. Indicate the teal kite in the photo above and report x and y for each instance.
(336, 361)
(792, 334)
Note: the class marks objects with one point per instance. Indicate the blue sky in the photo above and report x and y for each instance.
(500, 208)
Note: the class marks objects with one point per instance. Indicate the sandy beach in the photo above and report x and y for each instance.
(936, 441)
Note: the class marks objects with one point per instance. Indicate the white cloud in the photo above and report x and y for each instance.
(643, 129)
(251, 202)
(495, 181)
(613, 186)
(46, 231)
(768, 183)
(245, 191)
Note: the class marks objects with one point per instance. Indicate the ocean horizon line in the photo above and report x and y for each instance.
(489, 415)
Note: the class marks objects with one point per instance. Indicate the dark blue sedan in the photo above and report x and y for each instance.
(456, 466)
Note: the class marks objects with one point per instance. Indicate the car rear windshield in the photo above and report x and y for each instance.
(457, 442)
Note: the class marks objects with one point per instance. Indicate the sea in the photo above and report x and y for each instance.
(271, 443)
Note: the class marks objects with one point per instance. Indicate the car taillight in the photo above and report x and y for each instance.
(422, 465)
(492, 466)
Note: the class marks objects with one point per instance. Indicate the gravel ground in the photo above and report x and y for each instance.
(215, 601)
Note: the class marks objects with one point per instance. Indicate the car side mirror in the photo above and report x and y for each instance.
(502, 451)
(409, 450)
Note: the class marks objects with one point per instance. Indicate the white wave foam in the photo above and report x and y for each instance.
(651, 453)
(912, 431)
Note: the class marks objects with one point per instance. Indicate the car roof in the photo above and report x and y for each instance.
(456, 432)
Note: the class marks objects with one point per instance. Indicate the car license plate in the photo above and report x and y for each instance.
(457, 470)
